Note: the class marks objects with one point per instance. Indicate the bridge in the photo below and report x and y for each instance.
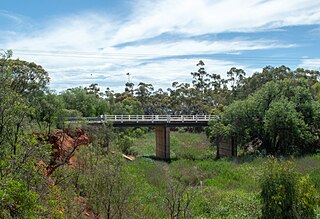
(151, 120)
(162, 124)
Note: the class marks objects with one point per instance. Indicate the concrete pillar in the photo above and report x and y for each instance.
(163, 143)
(227, 147)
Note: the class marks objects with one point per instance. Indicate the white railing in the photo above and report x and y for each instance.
(156, 118)
(143, 119)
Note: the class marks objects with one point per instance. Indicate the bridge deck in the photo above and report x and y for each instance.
(151, 120)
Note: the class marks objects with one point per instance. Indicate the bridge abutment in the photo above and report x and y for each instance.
(163, 142)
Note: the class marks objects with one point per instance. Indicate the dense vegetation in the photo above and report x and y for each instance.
(275, 112)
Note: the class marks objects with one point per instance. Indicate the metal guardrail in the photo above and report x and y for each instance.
(145, 119)
(151, 118)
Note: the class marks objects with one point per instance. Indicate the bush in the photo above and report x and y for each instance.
(16, 201)
(307, 200)
(125, 143)
(284, 193)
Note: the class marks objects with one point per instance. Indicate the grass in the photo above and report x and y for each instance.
(226, 188)
(145, 145)
(193, 161)
(182, 145)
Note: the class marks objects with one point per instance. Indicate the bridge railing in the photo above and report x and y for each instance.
(156, 118)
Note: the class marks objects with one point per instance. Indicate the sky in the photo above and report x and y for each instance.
(80, 42)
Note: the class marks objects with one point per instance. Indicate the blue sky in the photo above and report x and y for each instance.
(80, 42)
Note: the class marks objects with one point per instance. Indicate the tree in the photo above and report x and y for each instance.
(93, 89)
(26, 78)
(48, 109)
(143, 93)
(201, 78)
(106, 185)
(16, 200)
(178, 198)
(285, 128)
(21, 81)
(251, 84)
(236, 77)
(83, 100)
(282, 114)
(21, 185)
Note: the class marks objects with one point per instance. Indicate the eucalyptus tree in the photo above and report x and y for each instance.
(20, 183)
(283, 114)
(251, 84)
(85, 100)
(143, 93)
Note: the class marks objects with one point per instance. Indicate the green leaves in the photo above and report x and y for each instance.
(16, 201)
(285, 127)
(282, 114)
(284, 193)
(86, 103)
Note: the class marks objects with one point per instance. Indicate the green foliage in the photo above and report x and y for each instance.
(49, 109)
(282, 114)
(186, 145)
(285, 194)
(109, 190)
(125, 143)
(315, 177)
(115, 188)
(307, 198)
(285, 127)
(22, 181)
(224, 174)
(144, 146)
(218, 130)
(227, 204)
(16, 201)
(187, 172)
(278, 107)
(89, 104)
(257, 80)
(26, 78)
(178, 198)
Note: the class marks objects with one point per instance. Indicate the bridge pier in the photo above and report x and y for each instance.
(163, 142)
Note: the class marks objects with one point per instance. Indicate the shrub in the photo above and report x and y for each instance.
(125, 143)
(284, 193)
(307, 201)
(16, 201)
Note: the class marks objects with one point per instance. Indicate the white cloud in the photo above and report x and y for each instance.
(80, 49)
(196, 17)
(310, 64)
(12, 17)
(193, 47)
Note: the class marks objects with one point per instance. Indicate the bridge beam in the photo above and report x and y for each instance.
(163, 142)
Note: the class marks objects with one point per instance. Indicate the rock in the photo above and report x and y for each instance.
(64, 143)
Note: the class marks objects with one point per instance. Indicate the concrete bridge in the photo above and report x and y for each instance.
(162, 124)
